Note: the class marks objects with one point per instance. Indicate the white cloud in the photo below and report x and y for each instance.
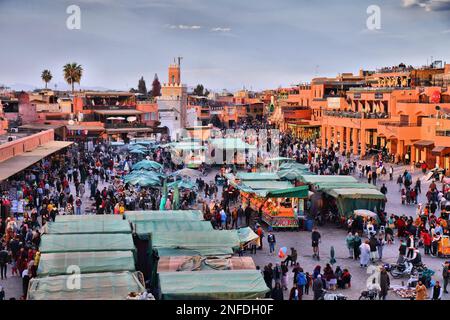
(428, 5)
(446, 31)
(183, 27)
(220, 29)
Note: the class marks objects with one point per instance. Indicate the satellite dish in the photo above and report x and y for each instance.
(71, 122)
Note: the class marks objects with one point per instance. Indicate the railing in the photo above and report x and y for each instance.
(108, 107)
(356, 115)
(124, 125)
(444, 133)
(398, 124)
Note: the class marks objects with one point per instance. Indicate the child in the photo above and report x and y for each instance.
(14, 270)
(308, 283)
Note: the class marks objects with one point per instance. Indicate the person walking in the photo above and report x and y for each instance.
(317, 287)
(315, 237)
(272, 241)
(356, 246)
(436, 292)
(446, 275)
(349, 240)
(385, 283)
(380, 245)
(4, 259)
(421, 291)
(365, 254)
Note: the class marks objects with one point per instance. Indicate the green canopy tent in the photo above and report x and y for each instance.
(312, 179)
(172, 215)
(93, 286)
(52, 243)
(348, 200)
(145, 228)
(292, 174)
(182, 184)
(321, 186)
(209, 285)
(147, 165)
(196, 239)
(294, 165)
(88, 217)
(87, 226)
(256, 176)
(53, 264)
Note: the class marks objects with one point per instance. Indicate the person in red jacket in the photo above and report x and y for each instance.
(426, 238)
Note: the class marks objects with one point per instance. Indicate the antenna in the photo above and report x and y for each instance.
(179, 60)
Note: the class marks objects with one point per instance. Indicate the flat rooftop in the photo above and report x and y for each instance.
(20, 162)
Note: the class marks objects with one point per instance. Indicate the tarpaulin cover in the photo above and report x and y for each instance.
(87, 226)
(197, 263)
(86, 242)
(343, 185)
(145, 228)
(204, 252)
(330, 179)
(93, 286)
(209, 285)
(272, 185)
(196, 239)
(293, 165)
(182, 215)
(246, 235)
(89, 217)
(292, 174)
(53, 264)
(255, 176)
(297, 192)
(348, 200)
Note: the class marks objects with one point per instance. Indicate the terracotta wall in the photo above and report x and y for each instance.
(26, 144)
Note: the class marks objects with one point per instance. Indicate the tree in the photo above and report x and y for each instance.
(215, 121)
(156, 87)
(199, 90)
(142, 88)
(72, 74)
(46, 76)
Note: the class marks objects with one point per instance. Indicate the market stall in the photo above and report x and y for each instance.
(87, 226)
(212, 285)
(93, 286)
(348, 200)
(54, 264)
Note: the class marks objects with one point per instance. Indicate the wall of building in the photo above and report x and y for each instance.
(26, 144)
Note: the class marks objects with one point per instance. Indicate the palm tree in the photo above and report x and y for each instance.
(46, 76)
(72, 74)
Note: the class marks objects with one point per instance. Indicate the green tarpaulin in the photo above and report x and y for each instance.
(348, 200)
(87, 226)
(210, 285)
(196, 239)
(342, 185)
(255, 176)
(53, 264)
(93, 286)
(330, 179)
(204, 252)
(265, 185)
(145, 228)
(182, 215)
(86, 242)
(88, 217)
(297, 192)
(246, 235)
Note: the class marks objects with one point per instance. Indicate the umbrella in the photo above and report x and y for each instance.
(162, 205)
(137, 151)
(147, 165)
(182, 184)
(136, 147)
(186, 172)
(332, 259)
(282, 253)
(176, 198)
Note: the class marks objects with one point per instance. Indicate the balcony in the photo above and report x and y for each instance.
(443, 133)
(356, 115)
(108, 107)
(125, 125)
(398, 124)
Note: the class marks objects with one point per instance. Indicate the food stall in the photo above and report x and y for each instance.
(280, 202)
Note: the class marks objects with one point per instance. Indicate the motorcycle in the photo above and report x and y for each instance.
(371, 294)
(326, 295)
(398, 271)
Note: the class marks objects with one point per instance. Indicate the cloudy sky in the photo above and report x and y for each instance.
(224, 43)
